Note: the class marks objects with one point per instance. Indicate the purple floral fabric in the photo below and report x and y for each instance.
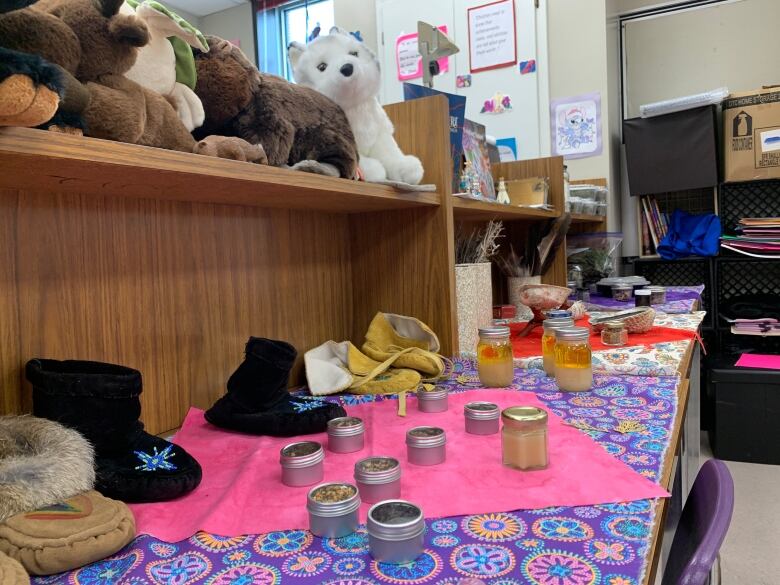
(679, 299)
(630, 417)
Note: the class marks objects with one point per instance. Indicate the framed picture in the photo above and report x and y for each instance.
(492, 36)
(575, 126)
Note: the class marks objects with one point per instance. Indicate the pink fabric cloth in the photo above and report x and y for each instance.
(241, 491)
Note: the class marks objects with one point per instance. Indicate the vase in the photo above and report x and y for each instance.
(513, 284)
(474, 297)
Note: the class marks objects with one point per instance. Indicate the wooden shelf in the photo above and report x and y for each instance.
(586, 218)
(35, 159)
(469, 209)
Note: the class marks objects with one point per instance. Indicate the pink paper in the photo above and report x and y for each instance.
(241, 492)
(758, 360)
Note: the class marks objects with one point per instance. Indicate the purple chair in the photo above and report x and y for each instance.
(703, 526)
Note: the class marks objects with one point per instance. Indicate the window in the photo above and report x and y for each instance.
(284, 23)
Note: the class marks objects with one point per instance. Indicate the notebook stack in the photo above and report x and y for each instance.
(755, 236)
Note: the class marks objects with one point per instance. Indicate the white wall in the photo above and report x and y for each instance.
(189, 17)
(233, 23)
(359, 15)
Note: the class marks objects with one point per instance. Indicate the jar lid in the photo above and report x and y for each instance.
(377, 470)
(642, 292)
(301, 454)
(395, 520)
(345, 426)
(614, 325)
(524, 417)
(426, 437)
(495, 332)
(481, 411)
(333, 499)
(557, 323)
(622, 287)
(553, 313)
(573, 334)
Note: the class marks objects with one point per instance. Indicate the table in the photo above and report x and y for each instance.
(616, 544)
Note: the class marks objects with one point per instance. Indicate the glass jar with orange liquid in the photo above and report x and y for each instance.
(494, 357)
(548, 340)
(573, 367)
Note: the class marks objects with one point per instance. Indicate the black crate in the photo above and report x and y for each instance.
(741, 275)
(752, 199)
(747, 407)
(683, 272)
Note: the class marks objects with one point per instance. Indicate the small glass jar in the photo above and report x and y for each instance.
(657, 295)
(614, 333)
(548, 340)
(524, 437)
(622, 292)
(573, 367)
(426, 445)
(494, 357)
(642, 297)
(432, 400)
(333, 509)
(346, 434)
(395, 531)
(302, 463)
(378, 478)
(481, 418)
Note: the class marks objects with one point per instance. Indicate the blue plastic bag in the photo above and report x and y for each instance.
(691, 235)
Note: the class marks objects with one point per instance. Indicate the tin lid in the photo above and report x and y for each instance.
(642, 292)
(481, 411)
(494, 332)
(524, 417)
(333, 499)
(426, 437)
(552, 323)
(345, 426)
(436, 393)
(572, 334)
(553, 313)
(377, 470)
(615, 325)
(395, 520)
(302, 454)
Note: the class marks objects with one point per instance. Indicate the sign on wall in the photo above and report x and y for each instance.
(408, 59)
(492, 36)
(575, 126)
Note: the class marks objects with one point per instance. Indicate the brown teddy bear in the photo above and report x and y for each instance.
(98, 45)
(297, 126)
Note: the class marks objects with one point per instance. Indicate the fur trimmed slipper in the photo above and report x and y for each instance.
(11, 572)
(41, 463)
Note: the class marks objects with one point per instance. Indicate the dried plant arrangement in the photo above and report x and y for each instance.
(480, 245)
(539, 250)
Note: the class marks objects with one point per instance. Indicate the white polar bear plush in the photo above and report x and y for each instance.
(345, 70)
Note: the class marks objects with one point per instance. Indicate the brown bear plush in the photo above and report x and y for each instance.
(296, 126)
(98, 45)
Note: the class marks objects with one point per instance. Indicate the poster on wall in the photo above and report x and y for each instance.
(492, 36)
(575, 126)
(408, 60)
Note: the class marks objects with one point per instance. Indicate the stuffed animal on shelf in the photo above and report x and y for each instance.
(166, 65)
(297, 126)
(35, 91)
(345, 70)
(98, 45)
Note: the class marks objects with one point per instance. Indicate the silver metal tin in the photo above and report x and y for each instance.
(382, 484)
(333, 519)
(302, 463)
(495, 332)
(482, 418)
(396, 531)
(426, 445)
(433, 401)
(552, 323)
(346, 434)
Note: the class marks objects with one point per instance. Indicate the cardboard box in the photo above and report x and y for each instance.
(751, 130)
(524, 192)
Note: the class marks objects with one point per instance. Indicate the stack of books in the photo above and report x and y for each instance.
(655, 224)
(755, 236)
(765, 327)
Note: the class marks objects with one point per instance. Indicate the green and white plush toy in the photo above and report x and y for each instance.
(166, 65)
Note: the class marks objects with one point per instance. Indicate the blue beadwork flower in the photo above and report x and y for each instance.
(562, 528)
(633, 528)
(349, 566)
(306, 404)
(156, 461)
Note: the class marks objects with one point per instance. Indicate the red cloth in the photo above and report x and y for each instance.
(241, 491)
(531, 345)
